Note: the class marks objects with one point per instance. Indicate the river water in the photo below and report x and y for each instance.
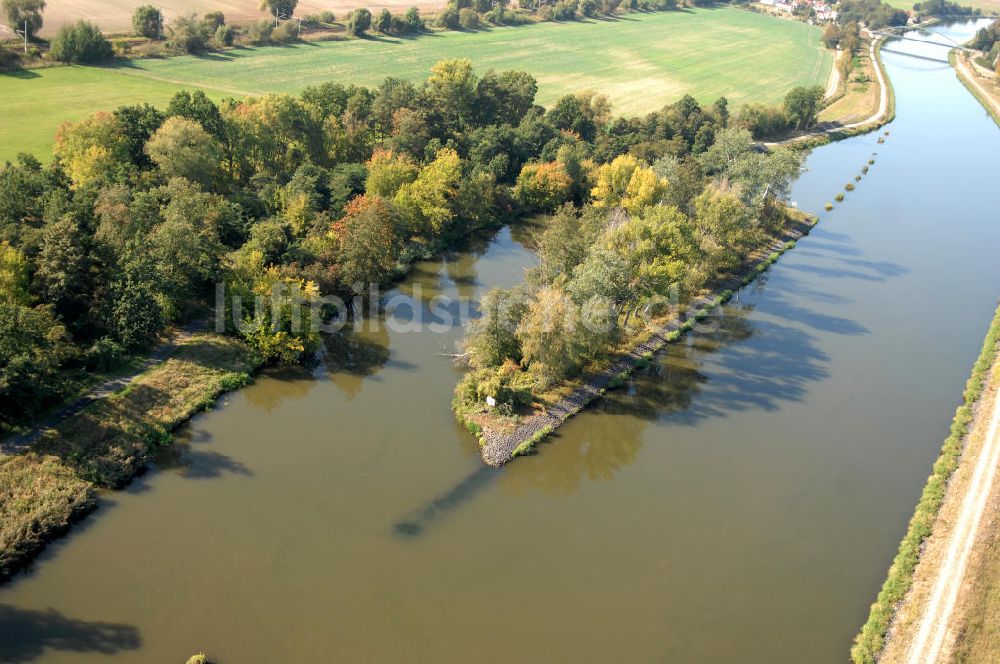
(740, 501)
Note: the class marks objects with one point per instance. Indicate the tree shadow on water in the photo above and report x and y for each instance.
(197, 464)
(26, 635)
(415, 524)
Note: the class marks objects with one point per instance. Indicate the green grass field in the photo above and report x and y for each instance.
(988, 6)
(641, 61)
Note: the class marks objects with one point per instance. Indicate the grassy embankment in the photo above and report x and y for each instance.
(870, 641)
(858, 96)
(858, 100)
(641, 61)
(108, 443)
(991, 102)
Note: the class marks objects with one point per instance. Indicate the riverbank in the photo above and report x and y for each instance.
(501, 440)
(897, 616)
(838, 120)
(984, 90)
(108, 442)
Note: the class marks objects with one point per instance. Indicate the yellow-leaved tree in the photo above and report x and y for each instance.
(628, 184)
(91, 149)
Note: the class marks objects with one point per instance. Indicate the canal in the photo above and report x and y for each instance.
(739, 501)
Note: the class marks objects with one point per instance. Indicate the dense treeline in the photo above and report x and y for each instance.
(987, 40)
(873, 13)
(143, 211)
(649, 237)
(945, 8)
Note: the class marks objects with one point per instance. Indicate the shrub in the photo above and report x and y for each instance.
(359, 22)
(225, 35)
(258, 33)
(564, 10)
(105, 354)
(147, 21)
(449, 18)
(413, 19)
(384, 22)
(618, 380)
(213, 20)
(499, 16)
(468, 19)
(285, 33)
(507, 384)
(9, 59)
(81, 43)
(327, 17)
(188, 35)
(399, 26)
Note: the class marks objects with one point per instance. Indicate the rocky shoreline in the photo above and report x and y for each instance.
(499, 447)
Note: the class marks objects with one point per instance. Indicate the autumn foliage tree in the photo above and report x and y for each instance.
(543, 186)
(367, 244)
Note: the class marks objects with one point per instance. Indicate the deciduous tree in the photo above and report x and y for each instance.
(182, 148)
(147, 21)
(25, 14)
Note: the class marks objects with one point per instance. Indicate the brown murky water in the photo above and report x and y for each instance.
(739, 501)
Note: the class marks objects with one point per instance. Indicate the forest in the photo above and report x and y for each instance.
(142, 212)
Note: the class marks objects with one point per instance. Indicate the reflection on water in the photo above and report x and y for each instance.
(738, 501)
(274, 387)
(614, 424)
(353, 355)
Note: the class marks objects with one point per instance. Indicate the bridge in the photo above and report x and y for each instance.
(888, 33)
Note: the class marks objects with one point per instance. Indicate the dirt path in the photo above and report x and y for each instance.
(834, 82)
(883, 89)
(161, 352)
(874, 120)
(931, 641)
(973, 79)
